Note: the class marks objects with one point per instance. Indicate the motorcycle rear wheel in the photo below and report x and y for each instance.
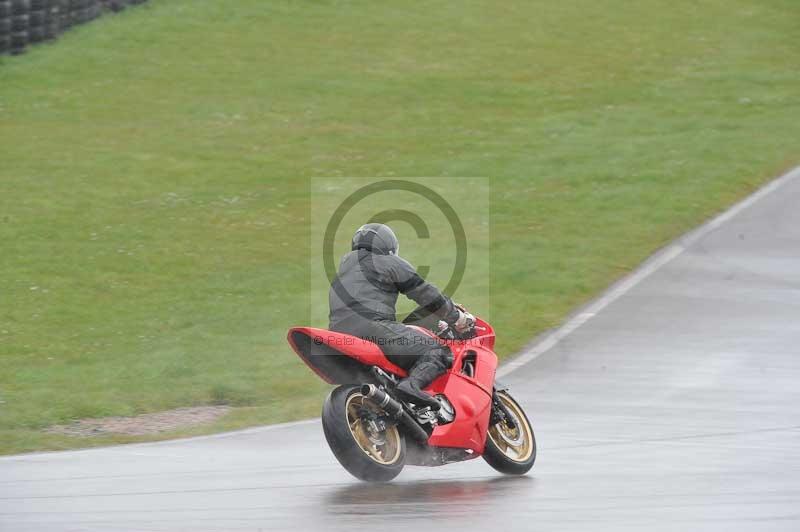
(367, 454)
(511, 451)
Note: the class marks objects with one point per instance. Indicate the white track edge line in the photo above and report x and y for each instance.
(655, 262)
(132, 447)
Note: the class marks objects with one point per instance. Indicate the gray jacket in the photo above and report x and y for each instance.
(367, 286)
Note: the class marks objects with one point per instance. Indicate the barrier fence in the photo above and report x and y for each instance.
(28, 22)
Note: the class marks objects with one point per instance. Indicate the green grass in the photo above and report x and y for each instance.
(606, 127)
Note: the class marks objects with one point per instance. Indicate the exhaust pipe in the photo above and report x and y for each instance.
(382, 399)
(393, 407)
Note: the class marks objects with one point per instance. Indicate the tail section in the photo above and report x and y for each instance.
(339, 358)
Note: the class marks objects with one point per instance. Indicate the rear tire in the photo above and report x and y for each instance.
(356, 448)
(511, 451)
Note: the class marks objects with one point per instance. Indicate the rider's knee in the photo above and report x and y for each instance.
(441, 356)
(447, 357)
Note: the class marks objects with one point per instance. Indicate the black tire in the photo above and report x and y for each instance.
(53, 25)
(19, 23)
(5, 8)
(5, 43)
(496, 457)
(36, 34)
(37, 18)
(74, 13)
(5, 26)
(18, 42)
(343, 442)
(64, 15)
(20, 7)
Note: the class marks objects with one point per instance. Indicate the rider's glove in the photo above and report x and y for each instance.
(465, 321)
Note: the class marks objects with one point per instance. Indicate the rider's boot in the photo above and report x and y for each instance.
(421, 375)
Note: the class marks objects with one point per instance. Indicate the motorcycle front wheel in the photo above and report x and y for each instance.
(366, 448)
(511, 450)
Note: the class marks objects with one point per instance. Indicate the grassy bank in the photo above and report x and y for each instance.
(154, 200)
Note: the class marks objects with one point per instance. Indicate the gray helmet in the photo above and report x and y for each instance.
(377, 238)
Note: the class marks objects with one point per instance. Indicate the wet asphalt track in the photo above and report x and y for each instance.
(674, 407)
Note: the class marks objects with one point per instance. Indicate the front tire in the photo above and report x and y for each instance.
(367, 454)
(511, 451)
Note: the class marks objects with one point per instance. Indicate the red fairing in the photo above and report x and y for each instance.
(471, 397)
(340, 358)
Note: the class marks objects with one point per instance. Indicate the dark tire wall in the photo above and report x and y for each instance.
(28, 22)
(498, 460)
(345, 449)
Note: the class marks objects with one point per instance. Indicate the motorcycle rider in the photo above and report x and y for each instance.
(362, 303)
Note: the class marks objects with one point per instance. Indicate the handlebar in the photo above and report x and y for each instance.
(428, 320)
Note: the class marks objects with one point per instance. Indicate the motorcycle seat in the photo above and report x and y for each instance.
(362, 350)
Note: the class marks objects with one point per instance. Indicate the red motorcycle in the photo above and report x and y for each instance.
(373, 434)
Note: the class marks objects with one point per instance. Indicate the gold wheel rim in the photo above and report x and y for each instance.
(517, 443)
(383, 447)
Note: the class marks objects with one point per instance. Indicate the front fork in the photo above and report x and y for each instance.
(500, 413)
